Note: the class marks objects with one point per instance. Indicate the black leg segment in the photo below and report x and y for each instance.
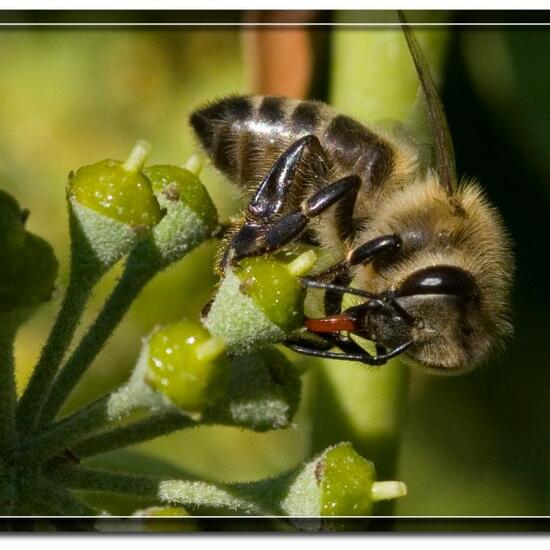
(330, 194)
(340, 276)
(351, 352)
(284, 231)
(380, 247)
(270, 197)
(265, 230)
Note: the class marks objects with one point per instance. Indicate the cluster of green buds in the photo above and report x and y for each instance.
(156, 215)
(115, 204)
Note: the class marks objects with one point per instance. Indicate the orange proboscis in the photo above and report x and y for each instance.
(335, 323)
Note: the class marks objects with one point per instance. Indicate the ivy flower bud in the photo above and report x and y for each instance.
(190, 218)
(259, 302)
(339, 482)
(29, 267)
(12, 226)
(162, 519)
(187, 365)
(174, 183)
(112, 204)
(263, 393)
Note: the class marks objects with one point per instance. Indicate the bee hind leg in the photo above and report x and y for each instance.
(264, 231)
(292, 225)
(269, 201)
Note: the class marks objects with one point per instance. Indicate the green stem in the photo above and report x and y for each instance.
(118, 303)
(46, 497)
(8, 394)
(64, 434)
(169, 491)
(89, 479)
(53, 352)
(158, 424)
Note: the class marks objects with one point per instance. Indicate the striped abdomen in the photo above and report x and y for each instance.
(244, 135)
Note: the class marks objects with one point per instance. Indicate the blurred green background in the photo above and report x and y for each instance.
(472, 445)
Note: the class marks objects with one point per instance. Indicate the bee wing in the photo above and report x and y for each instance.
(444, 152)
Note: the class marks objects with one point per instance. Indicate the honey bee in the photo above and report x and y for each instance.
(428, 256)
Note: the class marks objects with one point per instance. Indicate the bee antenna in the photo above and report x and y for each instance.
(444, 151)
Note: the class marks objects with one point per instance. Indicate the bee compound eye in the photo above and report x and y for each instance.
(443, 280)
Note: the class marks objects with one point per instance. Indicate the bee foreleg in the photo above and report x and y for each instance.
(351, 351)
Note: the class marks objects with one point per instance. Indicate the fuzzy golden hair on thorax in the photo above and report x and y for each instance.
(471, 238)
(435, 232)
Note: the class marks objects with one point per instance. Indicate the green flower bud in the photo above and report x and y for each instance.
(275, 289)
(12, 228)
(187, 365)
(168, 525)
(112, 205)
(339, 482)
(259, 302)
(190, 218)
(263, 393)
(28, 279)
(117, 190)
(29, 267)
(171, 183)
(348, 483)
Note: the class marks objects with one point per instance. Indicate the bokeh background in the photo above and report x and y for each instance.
(478, 444)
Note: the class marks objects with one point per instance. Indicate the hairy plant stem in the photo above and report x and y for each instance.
(54, 350)
(373, 78)
(168, 491)
(118, 303)
(89, 479)
(8, 394)
(155, 425)
(63, 434)
(42, 496)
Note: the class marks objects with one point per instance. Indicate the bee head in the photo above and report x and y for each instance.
(437, 314)
(450, 330)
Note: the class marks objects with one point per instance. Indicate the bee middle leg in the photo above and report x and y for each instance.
(340, 276)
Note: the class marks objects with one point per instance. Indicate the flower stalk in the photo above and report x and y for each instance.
(8, 394)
